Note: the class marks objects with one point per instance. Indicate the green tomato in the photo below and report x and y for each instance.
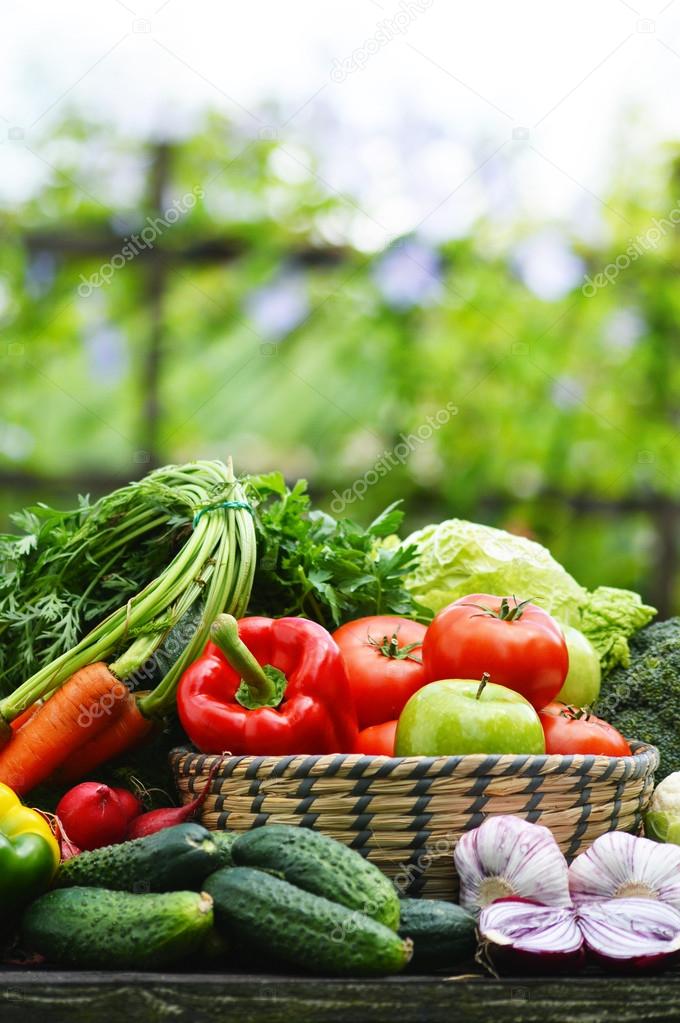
(458, 716)
(582, 684)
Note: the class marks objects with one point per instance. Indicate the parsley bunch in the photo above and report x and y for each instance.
(330, 570)
(65, 572)
(118, 575)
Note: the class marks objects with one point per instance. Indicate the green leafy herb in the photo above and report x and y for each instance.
(117, 577)
(63, 573)
(66, 571)
(330, 570)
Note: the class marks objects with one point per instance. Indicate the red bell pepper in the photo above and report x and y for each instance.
(268, 687)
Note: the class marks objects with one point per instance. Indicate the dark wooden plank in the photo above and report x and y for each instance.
(92, 997)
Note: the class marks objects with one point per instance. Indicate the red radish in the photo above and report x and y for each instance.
(130, 804)
(168, 816)
(94, 815)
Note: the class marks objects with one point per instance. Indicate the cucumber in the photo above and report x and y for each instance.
(306, 930)
(92, 927)
(321, 866)
(443, 934)
(175, 858)
(224, 840)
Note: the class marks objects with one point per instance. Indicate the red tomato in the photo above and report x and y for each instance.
(516, 643)
(573, 730)
(382, 656)
(377, 740)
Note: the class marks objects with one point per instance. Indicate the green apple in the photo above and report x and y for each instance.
(582, 684)
(458, 716)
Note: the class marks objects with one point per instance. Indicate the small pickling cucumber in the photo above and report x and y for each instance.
(176, 858)
(443, 933)
(272, 916)
(224, 841)
(93, 927)
(321, 866)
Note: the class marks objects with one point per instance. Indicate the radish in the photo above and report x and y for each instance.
(132, 807)
(93, 814)
(168, 816)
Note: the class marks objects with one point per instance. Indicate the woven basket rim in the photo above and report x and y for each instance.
(643, 754)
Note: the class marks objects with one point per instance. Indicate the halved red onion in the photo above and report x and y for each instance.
(523, 935)
(618, 865)
(507, 857)
(643, 933)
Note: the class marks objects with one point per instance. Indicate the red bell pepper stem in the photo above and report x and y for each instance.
(310, 707)
(224, 633)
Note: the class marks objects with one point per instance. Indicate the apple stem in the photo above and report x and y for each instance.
(482, 684)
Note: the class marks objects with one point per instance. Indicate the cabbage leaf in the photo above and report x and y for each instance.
(456, 558)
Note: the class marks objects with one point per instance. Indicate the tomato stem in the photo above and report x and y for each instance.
(389, 647)
(573, 713)
(505, 613)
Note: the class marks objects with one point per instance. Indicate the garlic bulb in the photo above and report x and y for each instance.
(619, 865)
(508, 857)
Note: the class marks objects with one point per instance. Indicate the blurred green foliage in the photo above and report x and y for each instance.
(317, 367)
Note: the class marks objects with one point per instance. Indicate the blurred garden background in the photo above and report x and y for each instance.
(294, 236)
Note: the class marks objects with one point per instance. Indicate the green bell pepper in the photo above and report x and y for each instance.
(29, 853)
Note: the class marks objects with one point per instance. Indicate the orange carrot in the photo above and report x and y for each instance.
(124, 733)
(81, 709)
(26, 716)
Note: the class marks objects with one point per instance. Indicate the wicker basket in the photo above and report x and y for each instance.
(406, 814)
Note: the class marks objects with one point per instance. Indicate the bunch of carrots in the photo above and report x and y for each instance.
(77, 711)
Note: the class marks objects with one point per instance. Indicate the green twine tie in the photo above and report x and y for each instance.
(221, 504)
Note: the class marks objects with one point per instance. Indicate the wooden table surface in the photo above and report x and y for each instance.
(99, 997)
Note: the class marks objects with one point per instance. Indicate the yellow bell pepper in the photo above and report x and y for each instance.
(29, 853)
(17, 819)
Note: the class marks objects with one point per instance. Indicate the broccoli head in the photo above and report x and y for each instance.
(643, 700)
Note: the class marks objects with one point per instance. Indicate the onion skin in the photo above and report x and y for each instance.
(512, 961)
(625, 926)
(509, 927)
(641, 964)
(507, 856)
(618, 865)
(620, 935)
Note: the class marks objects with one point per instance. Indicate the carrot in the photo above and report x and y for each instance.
(125, 732)
(26, 716)
(77, 712)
